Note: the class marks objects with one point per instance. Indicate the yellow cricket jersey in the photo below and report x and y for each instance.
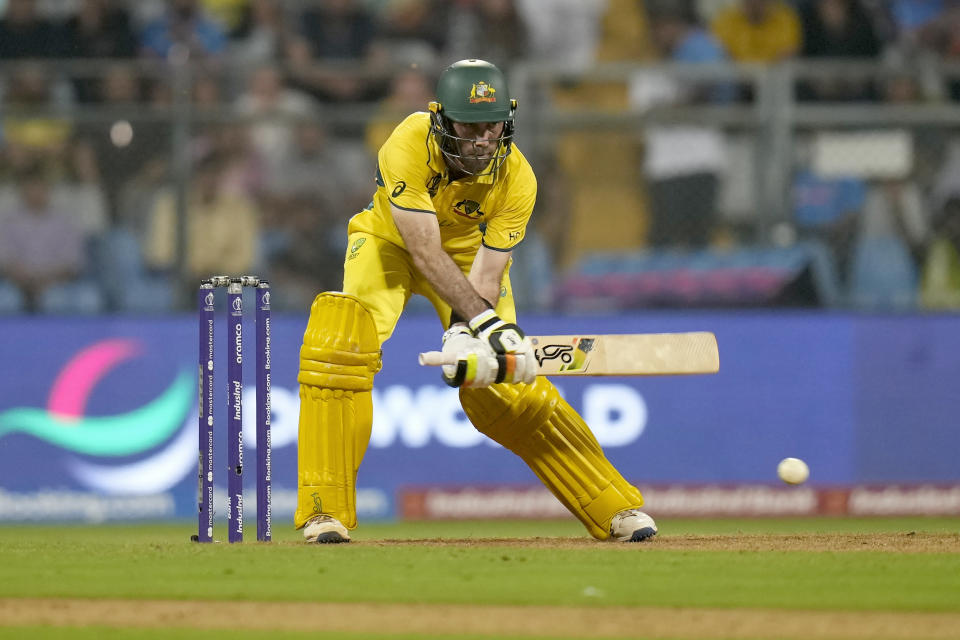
(412, 175)
(778, 35)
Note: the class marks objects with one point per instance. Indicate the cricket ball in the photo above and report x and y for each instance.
(793, 470)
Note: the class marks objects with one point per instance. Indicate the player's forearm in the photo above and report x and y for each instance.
(486, 287)
(486, 273)
(450, 284)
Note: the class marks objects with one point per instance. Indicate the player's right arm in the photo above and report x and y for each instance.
(421, 235)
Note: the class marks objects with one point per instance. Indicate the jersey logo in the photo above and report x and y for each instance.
(482, 92)
(398, 189)
(355, 247)
(433, 185)
(469, 209)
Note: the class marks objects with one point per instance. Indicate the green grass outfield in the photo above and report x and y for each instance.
(491, 564)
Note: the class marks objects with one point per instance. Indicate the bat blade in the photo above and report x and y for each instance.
(637, 354)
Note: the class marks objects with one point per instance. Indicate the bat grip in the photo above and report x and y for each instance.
(437, 358)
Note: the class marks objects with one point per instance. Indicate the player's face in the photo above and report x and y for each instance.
(478, 144)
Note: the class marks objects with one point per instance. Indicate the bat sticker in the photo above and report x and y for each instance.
(581, 356)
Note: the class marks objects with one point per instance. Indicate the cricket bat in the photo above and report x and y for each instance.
(636, 354)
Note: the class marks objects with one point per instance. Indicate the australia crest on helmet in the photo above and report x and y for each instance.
(482, 92)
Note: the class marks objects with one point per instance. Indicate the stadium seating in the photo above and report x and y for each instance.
(709, 277)
(126, 283)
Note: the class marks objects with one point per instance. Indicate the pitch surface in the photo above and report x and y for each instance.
(809, 578)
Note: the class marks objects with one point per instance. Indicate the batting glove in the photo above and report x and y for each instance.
(513, 349)
(477, 364)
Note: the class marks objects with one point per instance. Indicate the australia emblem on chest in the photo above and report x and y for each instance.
(469, 209)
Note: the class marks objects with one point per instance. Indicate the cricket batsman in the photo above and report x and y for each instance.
(454, 196)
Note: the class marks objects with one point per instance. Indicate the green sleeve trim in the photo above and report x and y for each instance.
(409, 209)
(498, 248)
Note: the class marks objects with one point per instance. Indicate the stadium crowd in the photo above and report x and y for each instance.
(101, 143)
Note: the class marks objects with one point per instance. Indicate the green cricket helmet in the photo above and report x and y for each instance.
(471, 91)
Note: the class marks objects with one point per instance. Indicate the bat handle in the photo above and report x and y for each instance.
(437, 358)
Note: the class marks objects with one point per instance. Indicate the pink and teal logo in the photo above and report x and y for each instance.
(64, 421)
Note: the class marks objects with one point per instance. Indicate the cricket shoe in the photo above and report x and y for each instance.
(632, 525)
(325, 530)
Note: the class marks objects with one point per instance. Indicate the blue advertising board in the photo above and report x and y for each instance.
(98, 416)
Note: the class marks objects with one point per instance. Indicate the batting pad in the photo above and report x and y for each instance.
(538, 425)
(339, 357)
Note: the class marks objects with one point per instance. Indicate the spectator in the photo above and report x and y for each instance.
(946, 181)
(221, 228)
(81, 191)
(184, 23)
(56, 10)
(339, 31)
(207, 95)
(30, 137)
(98, 30)
(410, 90)
(23, 34)
(625, 30)
(683, 164)
(940, 288)
(900, 86)
(310, 258)
(951, 49)
(144, 12)
(912, 19)
(40, 245)
(838, 29)
(320, 186)
(244, 170)
(261, 36)
(758, 30)
(336, 173)
(143, 165)
(888, 246)
(228, 13)
(120, 159)
(828, 210)
(941, 37)
(563, 32)
(273, 110)
(411, 31)
(678, 37)
(491, 30)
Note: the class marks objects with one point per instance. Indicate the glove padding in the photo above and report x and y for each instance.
(477, 364)
(513, 349)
